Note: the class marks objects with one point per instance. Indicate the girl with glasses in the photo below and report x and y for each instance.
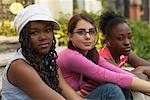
(81, 63)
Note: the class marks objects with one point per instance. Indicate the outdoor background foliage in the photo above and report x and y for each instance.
(141, 38)
(140, 30)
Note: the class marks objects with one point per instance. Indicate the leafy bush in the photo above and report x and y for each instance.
(63, 20)
(6, 28)
(141, 38)
(140, 30)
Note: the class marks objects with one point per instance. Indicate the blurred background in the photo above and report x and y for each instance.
(137, 12)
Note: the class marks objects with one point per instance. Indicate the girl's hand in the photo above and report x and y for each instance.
(147, 71)
(141, 72)
(140, 75)
(143, 69)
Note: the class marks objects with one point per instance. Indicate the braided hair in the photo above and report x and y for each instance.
(48, 69)
(108, 20)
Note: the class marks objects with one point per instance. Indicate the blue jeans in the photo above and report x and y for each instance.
(128, 94)
(107, 92)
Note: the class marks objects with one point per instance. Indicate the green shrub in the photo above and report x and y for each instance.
(140, 30)
(63, 20)
(141, 38)
(7, 28)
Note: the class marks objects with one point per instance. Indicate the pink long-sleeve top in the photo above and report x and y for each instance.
(74, 65)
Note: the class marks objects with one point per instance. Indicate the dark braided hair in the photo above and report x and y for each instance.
(92, 54)
(108, 20)
(48, 69)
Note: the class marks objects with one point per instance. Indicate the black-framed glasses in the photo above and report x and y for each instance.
(83, 32)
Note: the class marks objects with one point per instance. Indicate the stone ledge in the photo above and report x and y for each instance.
(8, 39)
(4, 57)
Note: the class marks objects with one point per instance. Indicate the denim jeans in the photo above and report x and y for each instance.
(107, 92)
(128, 94)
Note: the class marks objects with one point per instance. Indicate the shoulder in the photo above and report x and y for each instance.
(20, 66)
(68, 53)
(133, 58)
(20, 70)
(70, 57)
(105, 53)
(17, 62)
(18, 55)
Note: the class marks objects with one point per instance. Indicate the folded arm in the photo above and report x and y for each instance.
(79, 64)
(141, 66)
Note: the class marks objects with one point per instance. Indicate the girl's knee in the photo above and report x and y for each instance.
(113, 86)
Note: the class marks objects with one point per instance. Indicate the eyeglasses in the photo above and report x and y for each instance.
(83, 32)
